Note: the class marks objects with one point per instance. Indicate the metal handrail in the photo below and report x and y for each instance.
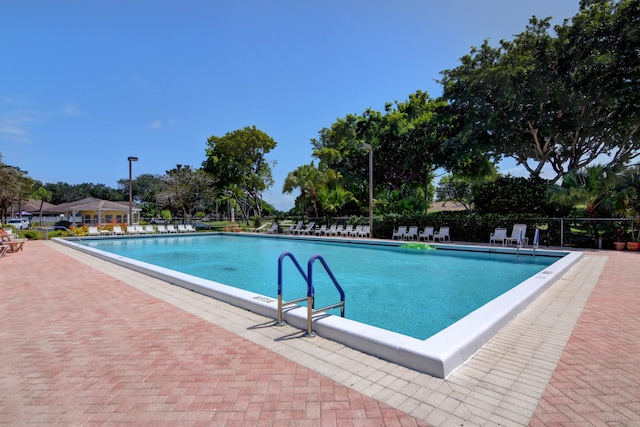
(310, 297)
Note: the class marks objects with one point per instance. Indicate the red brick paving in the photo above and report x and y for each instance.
(78, 346)
(597, 381)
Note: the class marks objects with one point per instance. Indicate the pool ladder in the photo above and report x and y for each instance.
(308, 278)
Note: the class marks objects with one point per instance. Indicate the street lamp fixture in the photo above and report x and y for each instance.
(131, 160)
(369, 148)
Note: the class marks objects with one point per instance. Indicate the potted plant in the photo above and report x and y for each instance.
(619, 244)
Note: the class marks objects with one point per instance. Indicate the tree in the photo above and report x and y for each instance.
(16, 187)
(509, 195)
(308, 179)
(237, 164)
(559, 101)
(43, 195)
(185, 189)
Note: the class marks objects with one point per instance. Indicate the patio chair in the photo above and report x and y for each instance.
(182, 228)
(255, 230)
(518, 235)
(347, 231)
(294, 229)
(366, 231)
(117, 230)
(355, 231)
(161, 228)
(339, 228)
(498, 235)
(320, 231)
(399, 233)
(3, 249)
(273, 229)
(331, 230)
(411, 234)
(442, 234)
(149, 229)
(190, 228)
(426, 234)
(93, 231)
(307, 229)
(171, 228)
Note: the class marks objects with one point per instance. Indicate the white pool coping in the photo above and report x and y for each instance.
(438, 355)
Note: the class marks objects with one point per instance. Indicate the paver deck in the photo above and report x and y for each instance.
(83, 341)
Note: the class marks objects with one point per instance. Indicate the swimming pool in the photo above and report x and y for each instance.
(450, 338)
(409, 291)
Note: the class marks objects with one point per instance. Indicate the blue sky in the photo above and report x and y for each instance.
(85, 84)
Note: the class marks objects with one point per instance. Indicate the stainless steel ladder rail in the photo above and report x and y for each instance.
(311, 291)
(310, 297)
(282, 304)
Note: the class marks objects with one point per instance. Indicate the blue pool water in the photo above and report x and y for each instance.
(413, 292)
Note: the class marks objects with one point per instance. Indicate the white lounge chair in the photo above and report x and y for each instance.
(400, 232)
(117, 230)
(331, 231)
(347, 231)
(320, 231)
(426, 234)
(307, 229)
(336, 232)
(190, 228)
(442, 234)
(498, 235)
(518, 235)
(294, 229)
(273, 229)
(149, 229)
(171, 228)
(366, 231)
(182, 228)
(260, 229)
(162, 228)
(356, 231)
(411, 234)
(132, 229)
(93, 231)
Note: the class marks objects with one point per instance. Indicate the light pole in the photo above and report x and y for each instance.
(131, 160)
(369, 148)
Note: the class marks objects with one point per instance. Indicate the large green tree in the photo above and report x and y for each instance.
(184, 190)
(238, 165)
(560, 100)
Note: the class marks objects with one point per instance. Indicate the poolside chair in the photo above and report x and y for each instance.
(400, 232)
(190, 228)
(331, 230)
(347, 231)
(442, 234)
(161, 228)
(426, 234)
(182, 228)
(365, 232)
(355, 231)
(93, 231)
(294, 229)
(518, 235)
(273, 229)
(171, 228)
(307, 229)
(117, 230)
(498, 235)
(339, 228)
(320, 231)
(149, 229)
(256, 230)
(411, 234)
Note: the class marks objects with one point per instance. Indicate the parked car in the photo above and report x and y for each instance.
(18, 223)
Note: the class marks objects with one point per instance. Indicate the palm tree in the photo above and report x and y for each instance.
(309, 180)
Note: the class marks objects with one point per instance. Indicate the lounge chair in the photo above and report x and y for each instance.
(355, 231)
(13, 244)
(442, 234)
(426, 234)
(365, 232)
(162, 229)
(411, 234)
(339, 228)
(132, 229)
(259, 229)
(347, 231)
(189, 228)
(331, 231)
(182, 228)
(307, 229)
(518, 235)
(498, 235)
(149, 229)
(3, 249)
(93, 231)
(171, 228)
(273, 229)
(320, 231)
(294, 229)
(400, 232)
(117, 229)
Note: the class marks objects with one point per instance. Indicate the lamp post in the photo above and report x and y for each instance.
(369, 148)
(131, 160)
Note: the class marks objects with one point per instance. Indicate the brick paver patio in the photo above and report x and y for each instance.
(79, 346)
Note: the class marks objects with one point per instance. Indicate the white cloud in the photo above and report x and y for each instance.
(72, 108)
(156, 124)
(14, 128)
